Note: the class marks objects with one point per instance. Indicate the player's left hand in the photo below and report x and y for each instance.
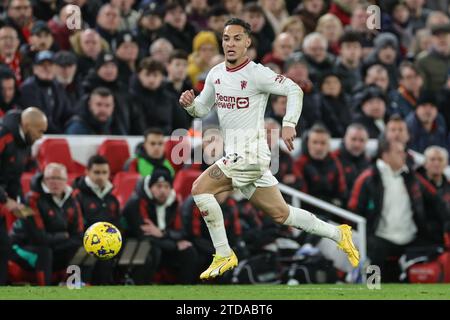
(288, 135)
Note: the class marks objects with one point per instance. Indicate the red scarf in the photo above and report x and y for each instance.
(408, 96)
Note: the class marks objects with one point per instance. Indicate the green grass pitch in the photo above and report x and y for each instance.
(232, 292)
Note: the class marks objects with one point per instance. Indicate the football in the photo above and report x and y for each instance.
(102, 240)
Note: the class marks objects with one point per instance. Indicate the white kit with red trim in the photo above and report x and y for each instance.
(240, 95)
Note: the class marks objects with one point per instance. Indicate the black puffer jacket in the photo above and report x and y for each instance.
(51, 98)
(352, 165)
(141, 205)
(57, 226)
(95, 208)
(85, 123)
(14, 155)
(156, 108)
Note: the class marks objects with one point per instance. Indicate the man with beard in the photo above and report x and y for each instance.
(65, 72)
(18, 131)
(352, 154)
(96, 115)
(106, 74)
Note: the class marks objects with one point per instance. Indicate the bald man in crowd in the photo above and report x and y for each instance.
(282, 48)
(18, 131)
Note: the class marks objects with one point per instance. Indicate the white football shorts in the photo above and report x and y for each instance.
(246, 176)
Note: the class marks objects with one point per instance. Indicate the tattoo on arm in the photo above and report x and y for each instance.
(216, 173)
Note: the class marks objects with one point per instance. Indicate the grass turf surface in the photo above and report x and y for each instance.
(232, 292)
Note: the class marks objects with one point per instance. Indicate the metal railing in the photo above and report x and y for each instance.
(298, 196)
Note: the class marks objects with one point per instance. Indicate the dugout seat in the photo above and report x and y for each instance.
(117, 152)
(124, 185)
(184, 180)
(57, 150)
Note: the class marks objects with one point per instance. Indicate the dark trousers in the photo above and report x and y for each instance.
(100, 274)
(42, 260)
(385, 254)
(5, 248)
(184, 263)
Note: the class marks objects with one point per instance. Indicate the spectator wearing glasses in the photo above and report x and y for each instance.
(47, 241)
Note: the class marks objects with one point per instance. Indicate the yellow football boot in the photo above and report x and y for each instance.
(346, 245)
(219, 266)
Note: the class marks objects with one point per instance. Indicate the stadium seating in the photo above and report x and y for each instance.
(184, 180)
(124, 183)
(57, 150)
(117, 152)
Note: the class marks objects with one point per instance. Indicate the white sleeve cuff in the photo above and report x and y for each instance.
(289, 124)
(190, 109)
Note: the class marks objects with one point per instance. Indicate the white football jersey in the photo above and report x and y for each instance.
(240, 95)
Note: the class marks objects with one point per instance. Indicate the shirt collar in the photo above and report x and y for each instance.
(385, 168)
(97, 190)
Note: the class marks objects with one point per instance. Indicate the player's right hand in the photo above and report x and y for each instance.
(187, 98)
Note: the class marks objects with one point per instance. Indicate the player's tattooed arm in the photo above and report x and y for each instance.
(216, 173)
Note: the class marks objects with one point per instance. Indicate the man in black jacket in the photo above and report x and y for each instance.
(96, 115)
(18, 131)
(153, 105)
(127, 54)
(402, 210)
(372, 112)
(177, 79)
(47, 241)
(9, 94)
(177, 29)
(321, 172)
(152, 213)
(94, 194)
(352, 153)
(436, 160)
(45, 92)
(106, 74)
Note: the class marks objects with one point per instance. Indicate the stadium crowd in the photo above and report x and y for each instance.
(121, 73)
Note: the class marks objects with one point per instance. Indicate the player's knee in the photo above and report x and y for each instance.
(279, 214)
(196, 188)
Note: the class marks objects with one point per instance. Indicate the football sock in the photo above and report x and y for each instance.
(308, 222)
(212, 214)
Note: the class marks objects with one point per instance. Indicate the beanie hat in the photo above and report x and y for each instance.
(204, 37)
(158, 175)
